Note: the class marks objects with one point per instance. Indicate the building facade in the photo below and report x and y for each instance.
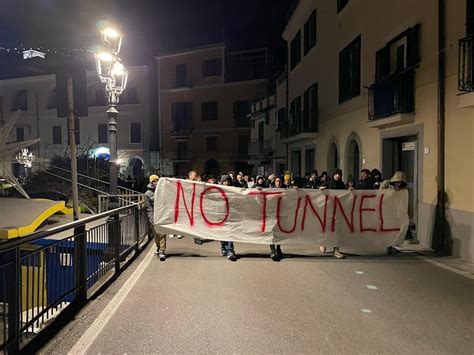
(204, 98)
(388, 85)
(267, 150)
(35, 97)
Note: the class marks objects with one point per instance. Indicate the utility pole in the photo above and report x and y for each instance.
(72, 143)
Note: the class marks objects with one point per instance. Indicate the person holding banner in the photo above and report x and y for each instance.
(275, 250)
(160, 239)
(227, 248)
(335, 183)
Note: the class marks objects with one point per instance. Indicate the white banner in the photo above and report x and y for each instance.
(358, 221)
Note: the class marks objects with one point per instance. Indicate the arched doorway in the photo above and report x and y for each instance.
(353, 159)
(212, 168)
(136, 166)
(333, 157)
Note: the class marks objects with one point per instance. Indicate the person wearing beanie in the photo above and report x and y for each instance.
(259, 182)
(160, 239)
(376, 177)
(335, 183)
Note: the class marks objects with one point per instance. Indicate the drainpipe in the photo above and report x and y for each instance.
(287, 94)
(440, 237)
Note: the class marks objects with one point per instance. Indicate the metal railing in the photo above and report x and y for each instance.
(123, 200)
(466, 64)
(48, 272)
(392, 94)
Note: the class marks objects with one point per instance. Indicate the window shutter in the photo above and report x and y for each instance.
(382, 62)
(413, 49)
(306, 116)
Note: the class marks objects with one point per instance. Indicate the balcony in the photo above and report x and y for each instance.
(182, 156)
(392, 95)
(179, 83)
(181, 129)
(256, 149)
(466, 64)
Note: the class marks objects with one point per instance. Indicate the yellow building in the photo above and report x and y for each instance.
(368, 83)
(205, 95)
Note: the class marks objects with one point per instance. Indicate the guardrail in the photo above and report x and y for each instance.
(123, 200)
(47, 272)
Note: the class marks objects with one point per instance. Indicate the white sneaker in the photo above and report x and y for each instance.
(171, 236)
(180, 236)
(322, 248)
(338, 254)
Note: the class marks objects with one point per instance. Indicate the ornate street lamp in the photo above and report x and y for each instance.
(113, 74)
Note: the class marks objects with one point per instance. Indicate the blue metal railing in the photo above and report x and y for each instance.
(46, 272)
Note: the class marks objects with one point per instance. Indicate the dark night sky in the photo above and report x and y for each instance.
(149, 26)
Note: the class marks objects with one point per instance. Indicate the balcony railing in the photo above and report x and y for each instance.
(181, 127)
(256, 148)
(392, 95)
(177, 83)
(466, 64)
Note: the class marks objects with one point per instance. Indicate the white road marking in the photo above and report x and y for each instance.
(447, 267)
(99, 323)
(359, 272)
(372, 287)
(366, 310)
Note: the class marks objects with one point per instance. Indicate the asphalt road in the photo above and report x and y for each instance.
(199, 302)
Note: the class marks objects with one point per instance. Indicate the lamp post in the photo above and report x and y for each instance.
(113, 74)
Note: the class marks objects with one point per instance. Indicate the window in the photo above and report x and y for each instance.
(20, 100)
(341, 4)
(77, 131)
(240, 111)
(261, 132)
(1, 111)
(295, 50)
(182, 115)
(349, 71)
(401, 53)
(129, 96)
(181, 150)
(135, 132)
(310, 112)
(212, 67)
(310, 33)
(243, 146)
(333, 157)
(51, 99)
(469, 17)
(281, 121)
(309, 161)
(209, 111)
(295, 116)
(267, 118)
(57, 135)
(211, 143)
(296, 162)
(20, 134)
(102, 133)
(181, 75)
(100, 99)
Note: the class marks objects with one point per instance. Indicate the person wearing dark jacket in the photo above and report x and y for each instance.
(313, 181)
(275, 250)
(227, 247)
(240, 182)
(160, 239)
(376, 177)
(335, 183)
(365, 181)
(259, 182)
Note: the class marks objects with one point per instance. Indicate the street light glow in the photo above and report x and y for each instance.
(105, 56)
(110, 32)
(118, 69)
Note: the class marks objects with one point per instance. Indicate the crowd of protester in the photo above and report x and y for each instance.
(368, 180)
